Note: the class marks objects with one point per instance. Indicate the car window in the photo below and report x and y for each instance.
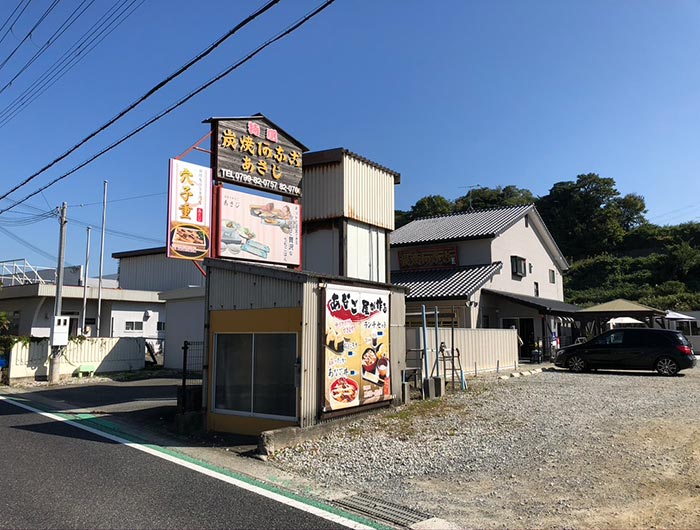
(644, 337)
(681, 339)
(609, 339)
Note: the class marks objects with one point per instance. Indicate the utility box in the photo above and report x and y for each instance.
(59, 331)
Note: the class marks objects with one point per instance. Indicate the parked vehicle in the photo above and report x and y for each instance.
(666, 351)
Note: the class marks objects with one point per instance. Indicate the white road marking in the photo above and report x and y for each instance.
(319, 512)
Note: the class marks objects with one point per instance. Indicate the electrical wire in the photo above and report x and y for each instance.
(27, 244)
(16, 19)
(179, 103)
(72, 18)
(29, 34)
(148, 94)
(99, 31)
(117, 200)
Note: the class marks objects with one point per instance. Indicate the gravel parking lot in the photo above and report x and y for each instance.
(552, 450)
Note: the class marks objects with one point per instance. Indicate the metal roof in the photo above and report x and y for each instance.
(478, 224)
(548, 305)
(335, 156)
(620, 305)
(436, 284)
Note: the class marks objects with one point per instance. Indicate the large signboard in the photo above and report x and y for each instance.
(259, 229)
(253, 152)
(428, 258)
(189, 211)
(356, 347)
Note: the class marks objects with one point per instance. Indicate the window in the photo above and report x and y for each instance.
(517, 265)
(254, 374)
(136, 325)
(529, 267)
(537, 289)
(609, 339)
(160, 326)
(552, 276)
(485, 323)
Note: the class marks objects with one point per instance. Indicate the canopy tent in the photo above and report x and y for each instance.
(594, 318)
(624, 321)
(672, 315)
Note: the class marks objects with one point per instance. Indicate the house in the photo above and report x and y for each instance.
(496, 268)
(28, 296)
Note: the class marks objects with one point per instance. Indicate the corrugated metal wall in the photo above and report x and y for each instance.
(157, 272)
(368, 194)
(310, 358)
(480, 349)
(106, 354)
(397, 338)
(242, 290)
(323, 192)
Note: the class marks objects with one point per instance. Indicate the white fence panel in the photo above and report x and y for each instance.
(481, 350)
(105, 354)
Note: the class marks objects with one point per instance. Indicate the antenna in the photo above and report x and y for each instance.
(469, 194)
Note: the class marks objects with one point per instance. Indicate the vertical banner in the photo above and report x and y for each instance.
(259, 229)
(189, 211)
(356, 347)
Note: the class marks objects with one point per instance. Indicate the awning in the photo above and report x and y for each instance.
(546, 306)
(619, 321)
(444, 284)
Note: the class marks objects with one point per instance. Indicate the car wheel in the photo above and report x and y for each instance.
(577, 364)
(667, 366)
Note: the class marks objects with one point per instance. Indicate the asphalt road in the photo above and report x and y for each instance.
(54, 475)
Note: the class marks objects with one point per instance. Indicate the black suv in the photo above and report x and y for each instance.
(666, 351)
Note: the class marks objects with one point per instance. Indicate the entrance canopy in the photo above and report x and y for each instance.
(595, 316)
(546, 306)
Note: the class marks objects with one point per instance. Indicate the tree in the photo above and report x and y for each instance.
(589, 217)
(498, 197)
(430, 206)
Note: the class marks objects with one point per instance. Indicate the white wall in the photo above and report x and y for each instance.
(106, 355)
(524, 241)
(185, 322)
(123, 312)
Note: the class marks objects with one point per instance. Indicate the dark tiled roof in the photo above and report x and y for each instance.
(471, 225)
(550, 306)
(445, 283)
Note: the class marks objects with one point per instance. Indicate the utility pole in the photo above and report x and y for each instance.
(55, 359)
(85, 280)
(102, 258)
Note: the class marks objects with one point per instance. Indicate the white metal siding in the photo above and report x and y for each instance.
(241, 290)
(368, 194)
(397, 340)
(480, 349)
(323, 192)
(107, 355)
(185, 322)
(368, 259)
(157, 272)
(321, 252)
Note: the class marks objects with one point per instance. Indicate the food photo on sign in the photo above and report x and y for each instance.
(356, 347)
(260, 229)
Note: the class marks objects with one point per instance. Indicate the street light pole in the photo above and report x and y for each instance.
(85, 282)
(102, 257)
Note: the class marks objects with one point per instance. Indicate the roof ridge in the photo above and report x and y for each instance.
(493, 209)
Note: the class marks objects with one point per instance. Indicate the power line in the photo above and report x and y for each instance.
(99, 31)
(72, 18)
(148, 94)
(27, 244)
(16, 19)
(181, 102)
(29, 33)
(118, 200)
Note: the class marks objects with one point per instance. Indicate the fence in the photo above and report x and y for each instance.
(190, 395)
(480, 350)
(31, 361)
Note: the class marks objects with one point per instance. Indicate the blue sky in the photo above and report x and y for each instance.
(449, 93)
